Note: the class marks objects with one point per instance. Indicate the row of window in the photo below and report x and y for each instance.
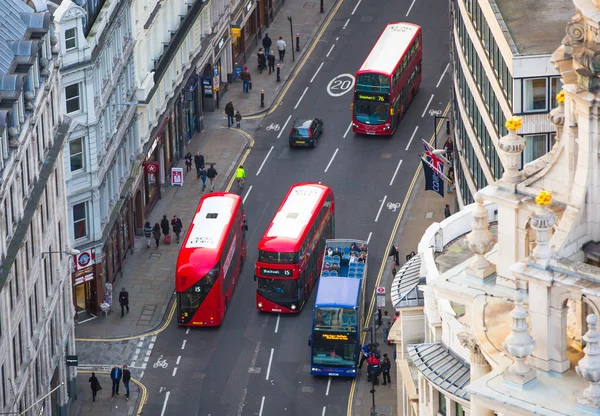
(538, 95)
(413, 51)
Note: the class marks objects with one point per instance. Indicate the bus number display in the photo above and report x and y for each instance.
(335, 337)
(275, 272)
(372, 97)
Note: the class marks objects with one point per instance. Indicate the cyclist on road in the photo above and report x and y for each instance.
(240, 175)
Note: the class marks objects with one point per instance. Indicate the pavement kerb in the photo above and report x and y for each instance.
(308, 46)
(142, 398)
(239, 158)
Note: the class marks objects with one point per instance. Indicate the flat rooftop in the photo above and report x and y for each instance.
(535, 26)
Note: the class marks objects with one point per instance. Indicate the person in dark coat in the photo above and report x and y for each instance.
(156, 233)
(271, 61)
(211, 174)
(177, 226)
(124, 301)
(148, 233)
(246, 79)
(188, 162)
(94, 385)
(164, 225)
(267, 42)
(116, 374)
(126, 379)
(198, 162)
(262, 60)
(230, 112)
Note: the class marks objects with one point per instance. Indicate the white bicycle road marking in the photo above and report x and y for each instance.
(274, 127)
(394, 206)
(160, 363)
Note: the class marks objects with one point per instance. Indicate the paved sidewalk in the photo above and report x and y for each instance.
(105, 405)
(306, 21)
(148, 273)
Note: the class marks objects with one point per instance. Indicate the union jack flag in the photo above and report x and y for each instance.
(434, 160)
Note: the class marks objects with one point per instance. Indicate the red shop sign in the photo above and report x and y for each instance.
(151, 167)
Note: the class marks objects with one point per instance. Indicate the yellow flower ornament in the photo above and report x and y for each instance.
(560, 97)
(514, 123)
(544, 198)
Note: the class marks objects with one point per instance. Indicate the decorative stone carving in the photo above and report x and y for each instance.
(89, 74)
(96, 194)
(13, 133)
(589, 367)
(575, 29)
(557, 117)
(542, 221)
(467, 340)
(511, 146)
(73, 13)
(519, 344)
(44, 67)
(480, 241)
(29, 96)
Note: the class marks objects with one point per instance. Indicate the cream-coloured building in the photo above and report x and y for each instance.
(511, 284)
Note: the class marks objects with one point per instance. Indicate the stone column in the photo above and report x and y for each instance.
(589, 368)
(480, 241)
(479, 368)
(519, 345)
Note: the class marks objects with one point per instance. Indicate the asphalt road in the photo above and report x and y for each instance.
(258, 364)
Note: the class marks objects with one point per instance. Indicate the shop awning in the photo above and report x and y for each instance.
(404, 291)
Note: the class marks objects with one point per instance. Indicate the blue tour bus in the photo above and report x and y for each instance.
(339, 309)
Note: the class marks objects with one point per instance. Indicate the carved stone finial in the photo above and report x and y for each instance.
(589, 367)
(542, 222)
(519, 344)
(511, 146)
(557, 116)
(480, 241)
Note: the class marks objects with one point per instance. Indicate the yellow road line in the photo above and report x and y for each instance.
(143, 388)
(172, 311)
(387, 250)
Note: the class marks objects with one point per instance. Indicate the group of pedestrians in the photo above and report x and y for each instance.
(201, 171)
(163, 228)
(376, 365)
(117, 375)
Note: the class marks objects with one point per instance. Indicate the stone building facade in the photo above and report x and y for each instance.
(36, 308)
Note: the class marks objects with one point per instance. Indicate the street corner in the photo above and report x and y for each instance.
(105, 402)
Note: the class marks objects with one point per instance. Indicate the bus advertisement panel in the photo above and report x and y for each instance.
(388, 80)
(339, 309)
(290, 253)
(210, 260)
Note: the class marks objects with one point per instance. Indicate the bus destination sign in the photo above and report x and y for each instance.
(335, 337)
(275, 272)
(379, 98)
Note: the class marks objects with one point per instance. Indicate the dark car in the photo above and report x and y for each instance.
(305, 132)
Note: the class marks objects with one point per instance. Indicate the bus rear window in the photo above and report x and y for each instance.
(277, 258)
(373, 83)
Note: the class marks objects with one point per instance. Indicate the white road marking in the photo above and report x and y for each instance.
(146, 359)
(277, 324)
(247, 193)
(262, 405)
(346, 24)
(264, 161)
(328, 381)
(140, 344)
(318, 69)
(342, 83)
(443, 73)
(427, 106)
(300, 99)
(137, 352)
(380, 208)
(347, 130)
(183, 345)
(411, 138)
(141, 375)
(324, 409)
(410, 8)
(188, 331)
(153, 338)
(269, 366)
(151, 346)
(331, 161)
(336, 39)
(174, 371)
(330, 49)
(396, 172)
(148, 352)
(355, 7)
(178, 359)
(167, 394)
(283, 128)
(369, 238)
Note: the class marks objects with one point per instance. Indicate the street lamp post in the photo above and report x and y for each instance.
(292, 38)
(68, 251)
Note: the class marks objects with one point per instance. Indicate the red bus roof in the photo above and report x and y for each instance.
(390, 48)
(294, 217)
(203, 243)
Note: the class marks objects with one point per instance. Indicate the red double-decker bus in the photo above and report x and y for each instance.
(210, 260)
(290, 253)
(388, 80)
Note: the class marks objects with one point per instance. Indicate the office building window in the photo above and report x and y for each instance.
(458, 409)
(535, 147)
(70, 39)
(534, 95)
(72, 98)
(76, 154)
(80, 220)
(555, 87)
(441, 404)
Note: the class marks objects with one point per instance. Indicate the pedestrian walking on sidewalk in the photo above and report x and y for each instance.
(373, 370)
(124, 301)
(127, 378)
(262, 60)
(229, 111)
(156, 233)
(366, 353)
(386, 321)
(199, 160)
(386, 366)
(271, 62)
(211, 174)
(203, 174)
(449, 148)
(164, 226)
(116, 375)
(267, 42)
(281, 48)
(188, 162)
(177, 226)
(450, 184)
(148, 233)
(238, 119)
(246, 80)
(447, 212)
(95, 386)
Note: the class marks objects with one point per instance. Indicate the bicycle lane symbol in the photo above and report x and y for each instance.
(160, 363)
(393, 206)
(273, 127)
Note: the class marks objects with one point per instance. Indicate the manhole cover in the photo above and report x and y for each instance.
(309, 5)
(366, 19)
(429, 215)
